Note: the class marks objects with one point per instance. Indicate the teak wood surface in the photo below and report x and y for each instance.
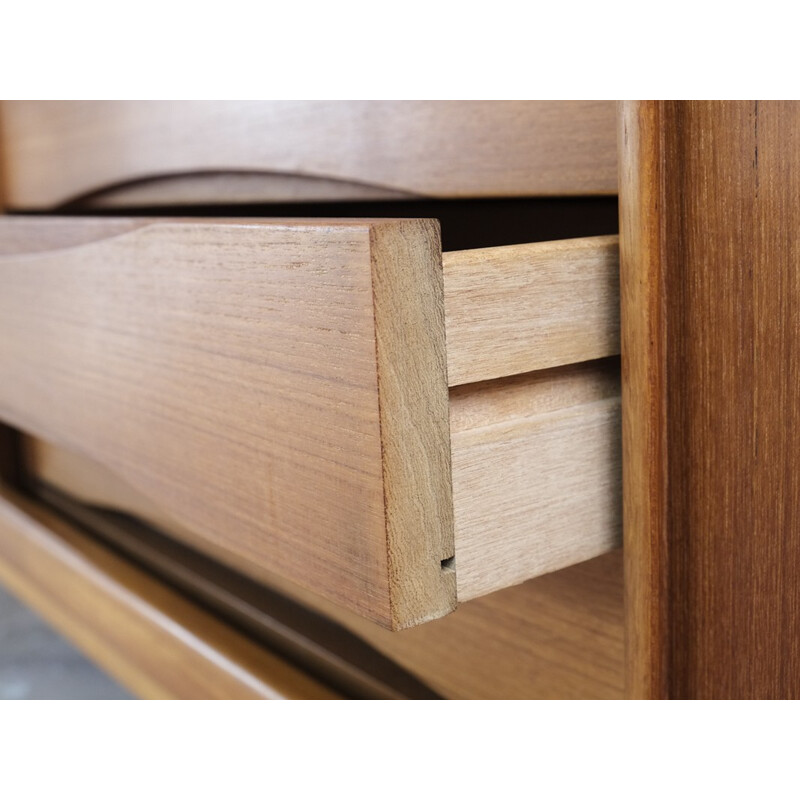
(536, 476)
(205, 365)
(152, 639)
(560, 636)
(57, 151)
(279, 386)
(710, 202)
(520, 308)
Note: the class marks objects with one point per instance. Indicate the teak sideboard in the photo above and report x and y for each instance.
(407, 399)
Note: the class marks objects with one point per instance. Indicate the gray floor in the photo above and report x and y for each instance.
(37, 664)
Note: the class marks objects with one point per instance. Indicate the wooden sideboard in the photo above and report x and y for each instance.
(324, 399)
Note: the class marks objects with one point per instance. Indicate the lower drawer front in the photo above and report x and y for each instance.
(559, 636)
(151, 638)
(278, 391)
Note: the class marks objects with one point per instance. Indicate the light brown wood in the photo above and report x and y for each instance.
(536, 476)
(54, 152)
(711, 365)
(559, 636)
(527, 307)
(279, 388)
(535, 459)
(409, 329)
(313, 643)
(89, 482)
(150, 638)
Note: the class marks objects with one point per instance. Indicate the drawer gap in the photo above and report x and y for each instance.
(466, 224)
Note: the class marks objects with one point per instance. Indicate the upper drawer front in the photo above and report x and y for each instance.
(276, 392)
(279, 388)
(163, 153)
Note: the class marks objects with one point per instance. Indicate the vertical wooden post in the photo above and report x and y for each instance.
(710, 251)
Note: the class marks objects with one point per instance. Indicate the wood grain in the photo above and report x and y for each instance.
(313, 643)
(279, 388)
(151, 639)
(408, 301)
(536, 475)
(54, 152)
(559, 636)
(528, 307)
(643, 420)
(711, 363)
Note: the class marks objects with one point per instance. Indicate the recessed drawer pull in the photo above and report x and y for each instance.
(131, 153)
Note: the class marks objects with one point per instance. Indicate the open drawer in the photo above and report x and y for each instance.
(320, 400)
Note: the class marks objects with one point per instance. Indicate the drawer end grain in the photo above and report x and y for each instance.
(415, 434)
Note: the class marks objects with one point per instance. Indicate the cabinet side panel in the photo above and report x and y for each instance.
(712, 520)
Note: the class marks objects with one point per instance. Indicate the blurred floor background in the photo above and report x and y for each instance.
(38, 664)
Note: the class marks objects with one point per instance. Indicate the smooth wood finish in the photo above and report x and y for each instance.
(312, 642)
(711, 365)
(131, 306)
(150, 638)
(643, 420)
(559, 636)
(528, 307)
(54, 152)
(279, 388)
(536, 476)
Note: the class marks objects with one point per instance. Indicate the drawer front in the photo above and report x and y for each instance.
(150, 637)
(165, 153)
(275, 393)
(278, 388)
